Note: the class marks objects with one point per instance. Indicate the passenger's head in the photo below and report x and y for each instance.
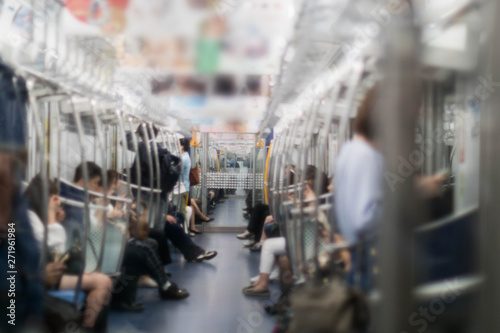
(94, 173)
(113, 181)
(184, 144)
(146, 133)
(311, 179)
(34, 194)
(364, 124)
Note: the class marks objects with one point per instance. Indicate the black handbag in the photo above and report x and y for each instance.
(59, 314)
(74, 256)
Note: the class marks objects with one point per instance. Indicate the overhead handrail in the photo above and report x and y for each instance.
(142, 188)
(80, 204)
(97, 194)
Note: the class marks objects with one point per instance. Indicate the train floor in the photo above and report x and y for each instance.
(230, 212)
(216, 304)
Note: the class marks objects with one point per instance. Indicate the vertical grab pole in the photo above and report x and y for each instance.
(86, 203)
(397, 113)
(204, 172)
(123, 134)
(150, 170)
(254, 169)
(138, 170)
(489, 178)
(40, 153)
(100, 143)
(156, 196)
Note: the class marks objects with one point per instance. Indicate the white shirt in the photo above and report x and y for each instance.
(358, 189)
(56, 235)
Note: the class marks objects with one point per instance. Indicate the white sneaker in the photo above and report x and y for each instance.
(275, 275)
(249, 243)
(246, 235)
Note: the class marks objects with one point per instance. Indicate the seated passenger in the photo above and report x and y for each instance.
(276, 247)
(75, 215)
(175, 233)
(196, 204)
(97, 285)
(141, 258)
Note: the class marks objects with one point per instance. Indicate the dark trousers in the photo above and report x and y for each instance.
(256, 224)
(248, 201)
(141, 258)
(163, 249)
(175, 233)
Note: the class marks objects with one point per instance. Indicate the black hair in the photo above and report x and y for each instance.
(142, 133)
(311, 178)
(364, 123)
(185, 143)
(113, 176)
(34, 193)
(93, 170)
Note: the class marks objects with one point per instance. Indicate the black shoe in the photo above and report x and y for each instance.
(128, 307)
(247, 216)
(207, 255)
(174, 292)
(195, 232)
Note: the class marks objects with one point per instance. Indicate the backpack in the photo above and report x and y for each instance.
(171, 169)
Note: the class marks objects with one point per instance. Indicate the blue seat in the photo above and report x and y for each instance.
(69, 296)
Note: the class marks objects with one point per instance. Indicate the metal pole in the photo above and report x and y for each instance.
(204, 171)
(254, 169)
(396, 117)
(490, 186)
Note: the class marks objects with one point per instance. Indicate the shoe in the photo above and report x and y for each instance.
(208, 219)
(247, 216)
(249, 243)
(128, 307)
(207, 255)
(190, 234)
(275, 274)
(256, 247)
(250, 291)
(246, 209)
(194, 231)
(147, 282)
(246, 235)
(174, 292)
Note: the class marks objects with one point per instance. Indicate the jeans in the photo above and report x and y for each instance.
(363, 265)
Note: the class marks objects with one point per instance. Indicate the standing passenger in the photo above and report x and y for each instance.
(359, 191)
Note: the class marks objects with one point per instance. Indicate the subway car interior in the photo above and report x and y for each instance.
(249, 166)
